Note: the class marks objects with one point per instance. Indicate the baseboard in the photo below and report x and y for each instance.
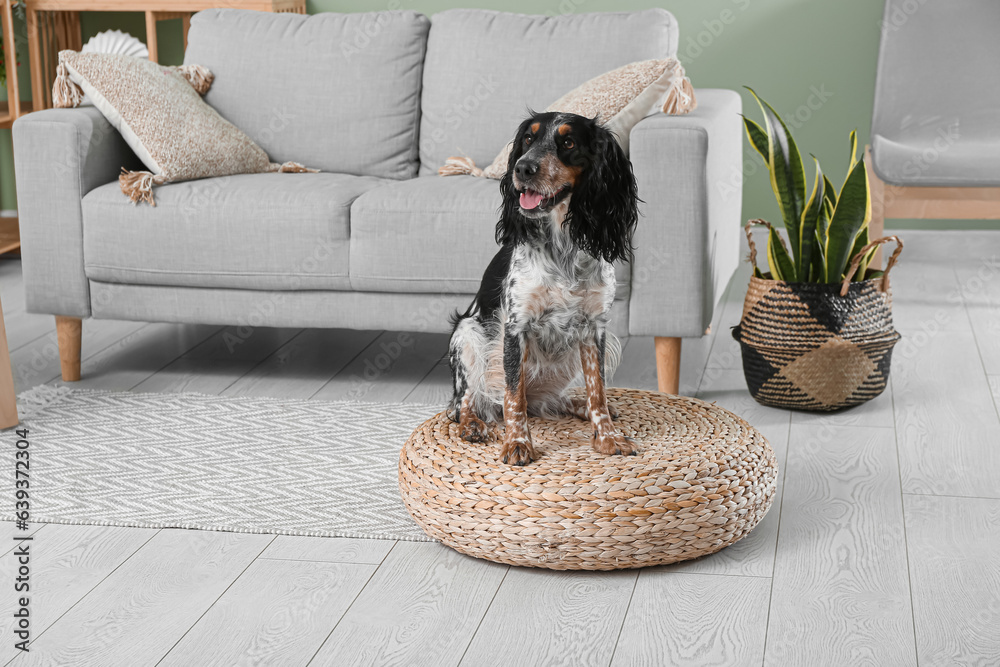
(8, 213)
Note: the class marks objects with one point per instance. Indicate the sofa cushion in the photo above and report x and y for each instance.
(255, 231)
(484, 69)
(429, 234)
(338, 92)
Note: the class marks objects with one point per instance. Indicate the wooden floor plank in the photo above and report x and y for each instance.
(840, 594)
(38, 362)
(926, 298)
(694, 620)
(388, 369)
(135, 615)
(7, 532)
(980, 285)
(946, 421)
(726, 351)
(242, 343)
(66, 563)
(754, 554)
(303, 365)
(955, 571)
(277, 613)
(421, 607)
(435, 388)
(218, 362)
(542, 618)
(876, 412)
(126, 363)
(23, 328)
(328, 549)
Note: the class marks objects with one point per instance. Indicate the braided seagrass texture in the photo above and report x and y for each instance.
(702, 480)
(818, 346)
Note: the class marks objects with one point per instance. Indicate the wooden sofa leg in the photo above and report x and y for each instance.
(69, 332)
(668, 364)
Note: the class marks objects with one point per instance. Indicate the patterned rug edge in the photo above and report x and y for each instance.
(43, 520)
(33, 403)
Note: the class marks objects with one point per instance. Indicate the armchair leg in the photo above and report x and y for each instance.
(69, 332)
(668, 364)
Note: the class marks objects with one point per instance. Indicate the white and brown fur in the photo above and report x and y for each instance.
(539, 321)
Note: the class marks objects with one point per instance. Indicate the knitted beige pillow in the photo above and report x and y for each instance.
(160, 114)
(618, 99)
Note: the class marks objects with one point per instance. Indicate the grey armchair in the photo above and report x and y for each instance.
(935, 141)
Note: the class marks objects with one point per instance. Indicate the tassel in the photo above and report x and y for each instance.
(290, 168)
(138, 185)
(455, 166)
(65, 93)
(680, 100)
(199, 77)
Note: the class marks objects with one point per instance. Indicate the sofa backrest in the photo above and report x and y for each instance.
(337, 92)
(485, 69)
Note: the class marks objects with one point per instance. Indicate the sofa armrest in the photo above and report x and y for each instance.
(60, 155)
(689, 175)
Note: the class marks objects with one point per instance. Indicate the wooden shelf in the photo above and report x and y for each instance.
(6, 119)
(10, 236)
(159, 5)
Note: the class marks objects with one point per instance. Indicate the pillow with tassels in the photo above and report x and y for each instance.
(618, 99)
(160, 114)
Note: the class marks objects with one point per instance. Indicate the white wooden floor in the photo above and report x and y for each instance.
(882, 548)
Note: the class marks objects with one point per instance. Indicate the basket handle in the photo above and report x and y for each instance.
(753, 248)
(856, 262)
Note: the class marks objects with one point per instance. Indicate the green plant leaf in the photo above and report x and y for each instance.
(854, 151)
(757, 137)
(788, 177)
(781, 264)
(810, 219)
(851, 215)
(818, 272)
(829, 193)
(866, 262)
(860, 242)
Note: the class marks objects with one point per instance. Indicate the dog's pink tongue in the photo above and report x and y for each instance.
(530, 199)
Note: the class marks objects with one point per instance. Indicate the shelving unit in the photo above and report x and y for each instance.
(54, 25)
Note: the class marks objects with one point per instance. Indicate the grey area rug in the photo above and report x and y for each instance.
(260, 465)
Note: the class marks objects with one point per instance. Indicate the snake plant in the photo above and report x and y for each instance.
(825, 228)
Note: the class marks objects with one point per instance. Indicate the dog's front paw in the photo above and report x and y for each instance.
(517, 451)
(473, 430)
(613, 442)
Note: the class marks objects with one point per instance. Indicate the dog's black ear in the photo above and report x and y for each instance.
(510, 228)
(604, 208)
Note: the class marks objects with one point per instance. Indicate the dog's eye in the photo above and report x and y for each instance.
(528, 139)
(569, 144)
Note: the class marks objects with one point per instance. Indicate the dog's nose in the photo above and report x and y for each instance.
(525, 169)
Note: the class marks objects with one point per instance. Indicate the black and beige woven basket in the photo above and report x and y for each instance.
(817, 346)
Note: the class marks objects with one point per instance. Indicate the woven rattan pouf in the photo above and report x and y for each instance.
(702, 480)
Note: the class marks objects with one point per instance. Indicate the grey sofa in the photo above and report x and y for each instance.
(378, 240)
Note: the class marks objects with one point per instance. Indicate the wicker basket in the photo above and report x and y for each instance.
(702, 480)
(817, 346)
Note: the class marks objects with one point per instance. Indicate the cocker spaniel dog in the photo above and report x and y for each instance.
(539, 320)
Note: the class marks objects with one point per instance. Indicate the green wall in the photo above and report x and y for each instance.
(813, 60)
